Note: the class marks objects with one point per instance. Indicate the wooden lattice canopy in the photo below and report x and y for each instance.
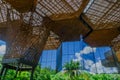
(29, 26)
(97, 20)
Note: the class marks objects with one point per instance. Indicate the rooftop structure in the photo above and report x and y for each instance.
(45, 24)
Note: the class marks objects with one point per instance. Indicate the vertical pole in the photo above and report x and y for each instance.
(1, 73)
(21, 65)
(17, 70)
(32, 72)
(4, 73)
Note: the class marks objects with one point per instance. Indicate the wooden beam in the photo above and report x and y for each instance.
(87, 20)
(102, 37)
(6, 24)
(70, 15)
(66, 3)
(22, 5)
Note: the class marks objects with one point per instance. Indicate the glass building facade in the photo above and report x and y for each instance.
(48, 59)
(91, 59)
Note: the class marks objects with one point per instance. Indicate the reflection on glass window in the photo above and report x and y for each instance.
(48, 59)
(92, 59)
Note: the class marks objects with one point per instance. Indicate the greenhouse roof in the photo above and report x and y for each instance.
(97, 20)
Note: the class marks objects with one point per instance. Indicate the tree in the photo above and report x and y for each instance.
(72, 68)
(43, 74)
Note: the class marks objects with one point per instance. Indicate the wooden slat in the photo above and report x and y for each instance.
(53, 42)
(102, 37)
(70, 15)
(103, 14)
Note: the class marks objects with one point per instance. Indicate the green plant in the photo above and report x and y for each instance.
(72, 68)
(43, 74)
(49, 74)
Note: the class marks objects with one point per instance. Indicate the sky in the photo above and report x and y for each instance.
(79, 51)
(2, 47)
(91, 58)
(93, 64)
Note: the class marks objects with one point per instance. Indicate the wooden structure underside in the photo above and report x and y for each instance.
(97, 17)
(44, 24)
(97, 20)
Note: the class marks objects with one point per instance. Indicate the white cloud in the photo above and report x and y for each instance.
(87, 50)
(78, 57)
(77, 54)
(99, 68)
(88, 63)
(96, 67)
(2, 49)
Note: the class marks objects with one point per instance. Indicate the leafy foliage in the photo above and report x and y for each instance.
(72, 65)
(48, 74)
(43, 74)
(72, 68)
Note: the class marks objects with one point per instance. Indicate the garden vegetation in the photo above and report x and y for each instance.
(71, 72)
